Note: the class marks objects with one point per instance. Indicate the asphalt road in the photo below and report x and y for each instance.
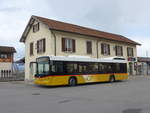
(131, 96)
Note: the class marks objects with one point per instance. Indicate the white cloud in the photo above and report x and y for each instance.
(145, 47)
(127, 17)
(14, 15)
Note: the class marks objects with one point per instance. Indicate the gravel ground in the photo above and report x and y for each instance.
(131, 96)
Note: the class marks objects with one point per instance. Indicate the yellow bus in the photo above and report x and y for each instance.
(59, 70)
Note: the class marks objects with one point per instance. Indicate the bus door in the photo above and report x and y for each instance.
(33, 69)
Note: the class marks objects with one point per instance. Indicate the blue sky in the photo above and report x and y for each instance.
(125, 17)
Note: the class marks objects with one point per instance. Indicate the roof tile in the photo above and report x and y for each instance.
(62, 26)
(6, 49)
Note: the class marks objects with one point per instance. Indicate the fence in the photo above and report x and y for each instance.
(15, 74)
(143, 69)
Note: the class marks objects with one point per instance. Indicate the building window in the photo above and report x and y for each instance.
(36, 27)
(119, 50)
(68, 45)
(31, 49)
(105, 49)
(3, 56)
(130, 52)
(89, 47)
(41, 46)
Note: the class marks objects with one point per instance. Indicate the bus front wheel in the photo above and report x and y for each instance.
(72, 81)
(112, 78)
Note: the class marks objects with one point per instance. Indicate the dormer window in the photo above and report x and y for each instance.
(36, 27)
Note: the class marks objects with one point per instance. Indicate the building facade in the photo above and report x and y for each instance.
(143, 66)
(45, 37)
(6, 61)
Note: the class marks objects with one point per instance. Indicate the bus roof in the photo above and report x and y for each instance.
(87, 59)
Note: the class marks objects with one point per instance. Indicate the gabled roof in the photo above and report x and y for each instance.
(66, 27)
(6, 49)
(22, 60)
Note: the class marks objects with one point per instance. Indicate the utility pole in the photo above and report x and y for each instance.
(146, 53)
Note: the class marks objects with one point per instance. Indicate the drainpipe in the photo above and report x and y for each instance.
(54, 43)
(97, 49)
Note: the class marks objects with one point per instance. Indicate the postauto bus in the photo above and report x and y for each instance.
(58, 70)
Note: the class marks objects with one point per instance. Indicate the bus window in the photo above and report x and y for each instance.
(76, 68)
(95, 67)
(57, 67)
(101, 68)
(43, 68)
(53, 68)
(71, 67)
(92, 68)
(82, 68)
(40, 68)
(46, 68)
(123, 68)
(117, 70)
(110, 68)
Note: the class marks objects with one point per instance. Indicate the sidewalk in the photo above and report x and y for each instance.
(132, 77)
(23, 82)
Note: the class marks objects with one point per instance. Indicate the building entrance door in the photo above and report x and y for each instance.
(130, 68)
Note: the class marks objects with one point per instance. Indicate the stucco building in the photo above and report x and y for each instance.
(6, 61)
(143, 66)
(46, 37)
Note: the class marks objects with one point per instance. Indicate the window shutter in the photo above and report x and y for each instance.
(116, 51)
(89, 47)
(102, 48)
(38, 26)
(44, 45)
(63, 44)
(33, 28)
(132, 52)
(108, 49)
(37, 46)
(87, 44)
(121, 51)
(127, 51)
(31, 48)
(73, 46)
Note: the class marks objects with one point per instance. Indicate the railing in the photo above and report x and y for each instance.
(12, 77)
(15, 74)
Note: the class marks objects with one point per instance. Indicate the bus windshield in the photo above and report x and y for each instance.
(43, 65)
(43, 68)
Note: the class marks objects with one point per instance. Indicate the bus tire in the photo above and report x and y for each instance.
(72, 81)
(112, 79)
